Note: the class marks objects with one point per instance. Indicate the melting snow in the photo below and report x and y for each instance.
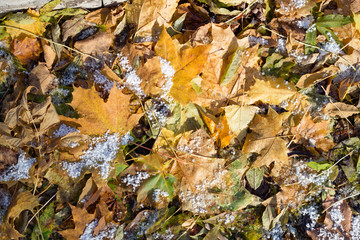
(18, 171)
(105, 84)
(135, 180)
(304, 22)
(169, 73)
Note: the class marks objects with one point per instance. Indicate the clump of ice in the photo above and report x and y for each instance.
(100, 155)
(159, 194)
(310, 214)
(304, 22)
(336, 216)
(168, 235)
(63, 130)
(18, 171)
(355, 228)
(281, 46)
(135, 180)
(132, 80)
(276, 233)
(126, 138)
(5, 200)
(257, 40)
(69, 74)
(105, 84)
(108, 233)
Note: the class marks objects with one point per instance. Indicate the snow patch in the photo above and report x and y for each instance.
(100, 155)
(108, 233)
(63, 130)
(18, 171)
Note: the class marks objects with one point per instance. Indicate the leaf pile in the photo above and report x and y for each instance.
(181, 120)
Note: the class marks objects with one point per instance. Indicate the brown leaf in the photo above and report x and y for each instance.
(98, 116)
(110, 17)
(26, 49)
(313, 134)
(7, 157)
(81, 217)
(340, 109)
(22, 201)
(95, 44)
(264, 141)
(307, 80)
(72, 27)
(41, 78)
(49, 54)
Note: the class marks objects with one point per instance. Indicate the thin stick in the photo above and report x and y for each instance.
(51, 41)
(39, 211)
(351, 196)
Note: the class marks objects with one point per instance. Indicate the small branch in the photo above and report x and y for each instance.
(51, 41)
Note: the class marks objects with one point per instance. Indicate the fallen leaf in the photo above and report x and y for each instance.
(81, 218)
(273, 91)
(7, 157)
(72, 27)
(41, 78)
(187, 63)
(49, 54)
(313, 134)
(95, 44)
(98, 116)
(264, 141)
(340, 109)
(26, 49)
(22, 201)
(307, 80)
(109, 17)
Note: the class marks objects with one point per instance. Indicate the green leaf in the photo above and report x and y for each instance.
(47, 222)
(63, 12)
(255, 177)
(230, 68)
(49, 6)
(163, 182)
(330, 35)
(176, 27)
(318, 166)
(240, 200)
(120, 167)
(310, 38)
(333, 20)
(214, 233)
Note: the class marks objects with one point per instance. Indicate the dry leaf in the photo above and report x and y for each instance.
(98, 116)
(95, 44)
(340, 109)
(110, 17)
(313, 134)
(22, 201)
(49, 54)
(187, 63)
(264, 141)
(41, 78)
(307, 80)
(81, 217)
(26, 49)
(7, 157)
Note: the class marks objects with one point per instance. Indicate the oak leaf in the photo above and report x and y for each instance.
(98, 116)
(187, 63)
(264, 141)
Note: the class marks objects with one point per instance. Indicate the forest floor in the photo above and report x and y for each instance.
(226, 119)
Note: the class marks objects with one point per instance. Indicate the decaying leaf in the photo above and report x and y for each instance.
(26, 49)
(22, 201)
(98, 116)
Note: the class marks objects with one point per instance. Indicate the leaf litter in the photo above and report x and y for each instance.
(167, 120)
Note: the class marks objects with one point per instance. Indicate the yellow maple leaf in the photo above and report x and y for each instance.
(98, 116)
(29, 21)
(264, 141)
(187, 63)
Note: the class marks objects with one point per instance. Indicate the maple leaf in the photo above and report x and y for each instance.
(187, 63)
(264, 141)
(98, 116)
(80, 217)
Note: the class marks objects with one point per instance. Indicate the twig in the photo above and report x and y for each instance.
(39, 211)
(51, 41)
(351, 196)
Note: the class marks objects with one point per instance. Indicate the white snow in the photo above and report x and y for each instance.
(99, 155)
(311, 213)
(132, 80)
(135, 180)
(304, 22)
(126, 138)
(355, 228)
(159, 194)
(108, 233)
(169, 73)
(63, 130)
(105, 84)
(18, 171)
